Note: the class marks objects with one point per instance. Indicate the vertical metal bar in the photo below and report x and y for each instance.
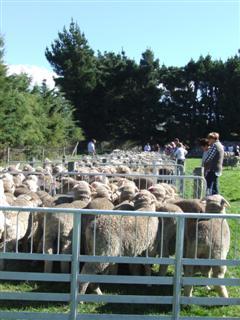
(196, 245)
(58, 237)
(8, 156)
(221, 238)
(235, 240)
(76, 238)
(94, 236)
(17, 221)
(162, 231)
(120, 235)
(44, 231)
(135, 244)
(178, 268)
(31, 241)
(211, 237)
(147, 236)
(5, 233)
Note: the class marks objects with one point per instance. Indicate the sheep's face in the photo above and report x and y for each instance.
(216, 204)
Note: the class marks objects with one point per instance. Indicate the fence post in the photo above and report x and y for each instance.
(43, 156)
(8, 156)
(177, 283)
(76, 237)
(198, 184)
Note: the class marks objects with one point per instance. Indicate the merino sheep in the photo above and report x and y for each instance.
(18, 222)
(36, 223)
(60, 225)
(212, 241)
(159, 191)
(191, 205)
(127, 191)
(31, 182)
(8, 183)
(127, 236)
(168, 233)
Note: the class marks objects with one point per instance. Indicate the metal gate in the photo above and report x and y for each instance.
(177, 280)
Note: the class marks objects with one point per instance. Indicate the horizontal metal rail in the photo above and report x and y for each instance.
(178, 280)
(188, 186)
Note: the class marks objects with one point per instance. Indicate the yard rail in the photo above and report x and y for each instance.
(178, 280)
(188, 186)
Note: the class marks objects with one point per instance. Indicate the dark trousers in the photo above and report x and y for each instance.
(180, 170)
(212, 183)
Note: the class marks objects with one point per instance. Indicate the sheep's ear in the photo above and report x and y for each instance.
(225, 203)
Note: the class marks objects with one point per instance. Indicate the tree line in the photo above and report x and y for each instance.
(33, 115)
(116, 98)
(111, 97)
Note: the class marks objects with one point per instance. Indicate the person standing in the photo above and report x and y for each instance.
(204, 144)
(91, 147)
(213, 162)
(180, 153)
(147, 147)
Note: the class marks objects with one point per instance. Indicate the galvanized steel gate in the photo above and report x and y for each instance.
(73, 297)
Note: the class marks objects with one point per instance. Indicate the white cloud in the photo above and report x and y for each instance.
(38, 74)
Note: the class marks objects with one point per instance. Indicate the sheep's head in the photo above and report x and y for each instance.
(128, 191)
(145, 199)
(28, 167)
(216, 204)
(102, 191)
(170, 190)
(82, 191)
(159, 191)
(58, 168)
(123, 169)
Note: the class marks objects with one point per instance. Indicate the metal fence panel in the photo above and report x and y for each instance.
(178, 280)
(188, 186)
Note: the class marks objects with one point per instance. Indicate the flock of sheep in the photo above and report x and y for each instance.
(108, 235)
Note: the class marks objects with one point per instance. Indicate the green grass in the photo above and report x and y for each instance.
(229, 186)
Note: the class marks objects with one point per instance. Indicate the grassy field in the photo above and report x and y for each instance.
(229, 186)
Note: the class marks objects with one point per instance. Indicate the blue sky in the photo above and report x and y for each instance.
(175, 30)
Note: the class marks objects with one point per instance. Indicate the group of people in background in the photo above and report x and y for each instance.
(212, 158)
(155, 147)
(233, 150)
(175, 149)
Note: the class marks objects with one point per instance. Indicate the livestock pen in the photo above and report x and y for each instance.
(229, 186)
(70, 295)
(188, 186)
